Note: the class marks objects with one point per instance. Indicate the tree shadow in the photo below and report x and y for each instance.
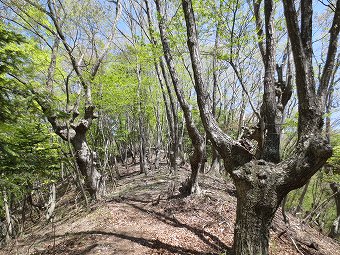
(68, 246)
(208, 238)
(129, 174)
(150, 243)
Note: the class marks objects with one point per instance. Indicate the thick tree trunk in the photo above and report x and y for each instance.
(251, 235)
(86, 161)
(255, 181)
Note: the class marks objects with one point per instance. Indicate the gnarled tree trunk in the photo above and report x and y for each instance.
(86, 161)
(257, 201)
(262, 185)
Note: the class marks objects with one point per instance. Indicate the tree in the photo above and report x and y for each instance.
(29, 154)
(197, 159)
(71, 124)
(259, 178)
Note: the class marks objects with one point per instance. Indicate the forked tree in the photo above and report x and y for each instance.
(71, 124)
(263, 182)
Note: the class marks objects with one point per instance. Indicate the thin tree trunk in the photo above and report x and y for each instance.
(159, 137)
(197, 158)
(241, 117)
(9, 225)
(215, 162)
(51, 202)
(142, 144)
(301, 199)
(335, 229)
(174, 142)
(171, 111)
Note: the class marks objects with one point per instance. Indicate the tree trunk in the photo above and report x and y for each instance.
(215, 163)
(174, 141)
(198, 156)
(254, 181)
(197, 162)
(9, 226)
(171, 111)
(51, 202)
(159, 137)
(86, 161)
(251, 235)
(335, 229)
(301, 199)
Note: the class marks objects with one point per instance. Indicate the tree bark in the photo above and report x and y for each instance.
(86, 161)
(51, 202)
(174, 140)
(254, 216)
(271, 146)
(256, 180)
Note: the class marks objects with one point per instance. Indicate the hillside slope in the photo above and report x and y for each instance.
(140, 218)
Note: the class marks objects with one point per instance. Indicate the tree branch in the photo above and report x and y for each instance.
(233, 152)
(332, 49)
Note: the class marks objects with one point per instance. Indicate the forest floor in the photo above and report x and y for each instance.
(139, 217)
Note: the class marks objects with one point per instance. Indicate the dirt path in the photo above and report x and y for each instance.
(138, 218)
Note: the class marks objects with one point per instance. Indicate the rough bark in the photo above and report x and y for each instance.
(255, 179)
(254, 213)
(86, 161)
(271, 146)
